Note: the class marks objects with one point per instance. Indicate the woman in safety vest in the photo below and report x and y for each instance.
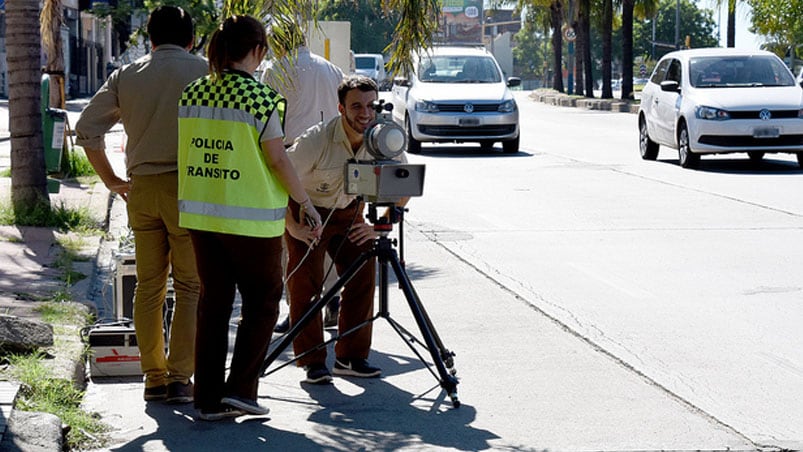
(234, 181)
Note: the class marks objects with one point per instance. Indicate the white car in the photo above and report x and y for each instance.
(723, 100)
(371, 65)
(457, 94)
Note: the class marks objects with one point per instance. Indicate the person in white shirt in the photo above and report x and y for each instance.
(309, 84)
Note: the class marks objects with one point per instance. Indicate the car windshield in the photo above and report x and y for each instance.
(458, 69)
(738, 71)
(365, 62)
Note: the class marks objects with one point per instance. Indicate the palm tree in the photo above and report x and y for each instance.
(627, 48)
(28, 179)
(630, 10)
(607, 50)
(585, 35)
(51, 21)
(579, 56)
(731, 22)
(556, 20)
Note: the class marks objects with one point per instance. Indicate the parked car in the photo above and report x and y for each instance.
(457, 94)
(723, 100)
(371, 65)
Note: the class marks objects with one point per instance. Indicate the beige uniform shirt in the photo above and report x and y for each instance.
(320, 156)
(144, 95)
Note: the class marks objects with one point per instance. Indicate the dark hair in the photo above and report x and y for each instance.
(359, 82)
(232, 41)
(170, 25)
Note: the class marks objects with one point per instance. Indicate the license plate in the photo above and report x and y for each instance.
(766, 132)
(468, 122)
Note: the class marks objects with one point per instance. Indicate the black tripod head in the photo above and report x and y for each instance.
(393, 214)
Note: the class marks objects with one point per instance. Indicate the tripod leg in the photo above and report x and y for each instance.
(313, 310)
(447, 380)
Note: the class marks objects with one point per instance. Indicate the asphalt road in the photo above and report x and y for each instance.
(686, 276)
(594, 302)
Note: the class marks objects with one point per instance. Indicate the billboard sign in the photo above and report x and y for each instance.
(461, 21)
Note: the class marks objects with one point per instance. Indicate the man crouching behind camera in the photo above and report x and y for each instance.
(320, 157)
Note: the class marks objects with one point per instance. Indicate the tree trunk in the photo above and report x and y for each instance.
(579, 43)
(52, 19)
(28, 179)
(627, 49)
(731, 23)
(585, 24)
(607, 48)
(556, 20)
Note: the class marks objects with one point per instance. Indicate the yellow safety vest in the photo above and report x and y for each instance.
(224, 183)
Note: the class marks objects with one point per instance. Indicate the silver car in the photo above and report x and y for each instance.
(457, 94)
(717, 101)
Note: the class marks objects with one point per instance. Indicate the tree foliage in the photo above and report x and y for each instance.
(530, 55)
(779, 20)
(205, 15)
(371, 25)
(696, 23)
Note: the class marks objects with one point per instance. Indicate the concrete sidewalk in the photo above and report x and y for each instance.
(526, 383)
(28, 255)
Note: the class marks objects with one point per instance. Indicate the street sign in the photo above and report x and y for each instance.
(569, 34)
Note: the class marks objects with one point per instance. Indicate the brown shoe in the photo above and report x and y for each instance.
(178, 392)
(155, 393)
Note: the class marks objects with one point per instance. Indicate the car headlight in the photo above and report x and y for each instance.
(507, 106)
(426, 106)
(716, 114)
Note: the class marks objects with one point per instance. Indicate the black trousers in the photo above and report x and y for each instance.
(227, 263)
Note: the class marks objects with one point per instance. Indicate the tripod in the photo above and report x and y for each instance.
(387, 258)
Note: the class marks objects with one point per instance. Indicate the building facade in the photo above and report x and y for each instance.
(90, 50)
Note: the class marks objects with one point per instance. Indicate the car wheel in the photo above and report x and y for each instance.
(486, 145)
(413, 145)
(647, 147)
(755, 156)
(688, 159)
(511, 146)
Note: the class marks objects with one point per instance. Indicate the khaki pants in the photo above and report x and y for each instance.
(161, 245)
(357, 296)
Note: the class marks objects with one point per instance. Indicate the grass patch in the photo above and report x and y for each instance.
(43, 215)
(41, 392)
(55, 312)
(78, 163)
(70, 252)
(5, 173)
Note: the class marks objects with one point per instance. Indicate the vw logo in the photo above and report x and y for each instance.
(468, 108)
(764, 115)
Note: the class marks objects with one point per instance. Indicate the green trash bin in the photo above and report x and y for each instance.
(54, 123)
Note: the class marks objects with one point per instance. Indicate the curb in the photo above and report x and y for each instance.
(552, 97)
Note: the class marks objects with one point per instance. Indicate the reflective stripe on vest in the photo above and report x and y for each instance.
(233, 212)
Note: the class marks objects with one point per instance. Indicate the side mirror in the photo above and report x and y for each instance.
(401, 81)
(513, 81)
(670, 86)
